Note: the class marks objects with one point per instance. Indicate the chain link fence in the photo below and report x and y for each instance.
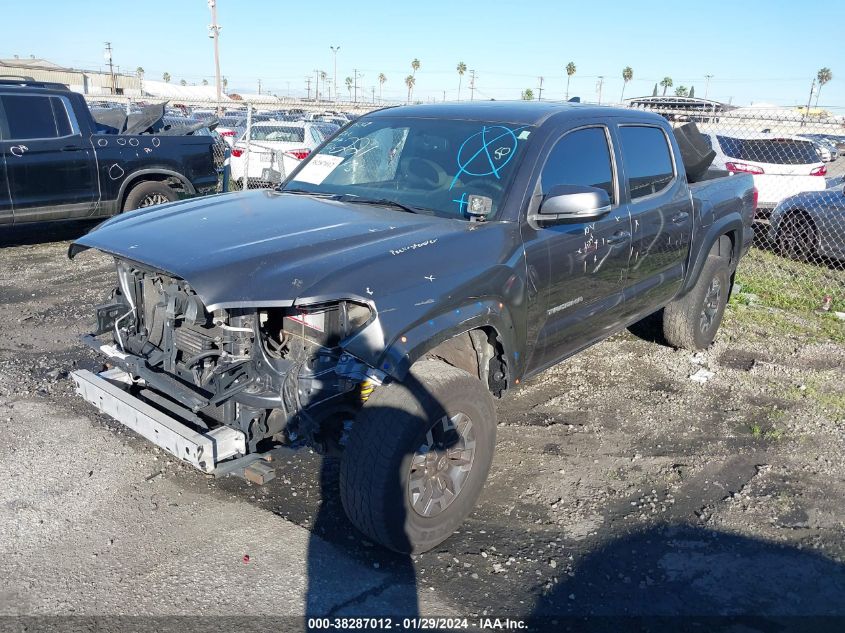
(797, 161)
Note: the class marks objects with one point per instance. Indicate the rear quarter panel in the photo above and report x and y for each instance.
(119, 157)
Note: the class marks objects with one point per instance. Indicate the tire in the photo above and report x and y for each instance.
(691, 322)
(147, 194)
(379, 492)
(796, 237)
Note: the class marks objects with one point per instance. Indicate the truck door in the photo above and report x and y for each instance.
(50, 167)
(661, 213)
(587, 260)
(5, 198)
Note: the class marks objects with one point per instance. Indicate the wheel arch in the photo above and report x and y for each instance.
(453, 336)
(155, 175)
(722, 238)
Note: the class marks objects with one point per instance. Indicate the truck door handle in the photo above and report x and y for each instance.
(71, 148)
(678, 218)
(618, 237)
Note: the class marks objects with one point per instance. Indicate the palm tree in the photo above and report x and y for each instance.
(348, 81)
(570, 70)
(527, 94)
(410, 81)
(666, 82)
(823, 76)
(627, 75)
(462, 68)
(681, 91)
(205, 82)
(182, 82)
(323, 77)
(692, 92)
(415, 66)
(654, 92)
(381, 79)
(140, 72)
(225, 83)
(166, 77)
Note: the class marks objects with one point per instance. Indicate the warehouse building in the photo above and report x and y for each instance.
(89, 82)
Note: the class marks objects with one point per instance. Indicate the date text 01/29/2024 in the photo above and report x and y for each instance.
(416, 624)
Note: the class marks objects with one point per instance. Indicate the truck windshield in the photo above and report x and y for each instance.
(432, 165)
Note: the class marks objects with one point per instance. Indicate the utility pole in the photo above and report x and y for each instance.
(809, 99)
(355, 80)
(259, 86)
(373, 88)
(111, 67)
(214, 33)
(707, 85)
(540, 90)
(316, 85)
(308, 87)
(471, 85)
(599, 84)
(444, 95)
(335, 49)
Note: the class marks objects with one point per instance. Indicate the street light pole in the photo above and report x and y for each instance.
(335, 49)
(214, 33)
(111, 66)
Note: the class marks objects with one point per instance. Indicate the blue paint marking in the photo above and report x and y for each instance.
(491, 166)
(462, 202)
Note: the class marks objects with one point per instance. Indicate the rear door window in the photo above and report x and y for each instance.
(35, 117)
(779, 151)
(647, 158)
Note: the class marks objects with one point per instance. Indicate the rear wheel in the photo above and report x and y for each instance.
(796, 238)
(418, 456)
(148, 194)
(692, 321)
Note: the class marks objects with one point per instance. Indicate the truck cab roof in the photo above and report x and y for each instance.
(518, 112)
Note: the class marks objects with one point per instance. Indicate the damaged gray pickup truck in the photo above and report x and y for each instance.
(419, 264)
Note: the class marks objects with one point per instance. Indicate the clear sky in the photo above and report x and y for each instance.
(756, 51)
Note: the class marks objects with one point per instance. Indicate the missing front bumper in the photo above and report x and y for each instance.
(202, 450)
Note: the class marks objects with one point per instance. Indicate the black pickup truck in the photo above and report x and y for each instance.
(58, 163)
(420, 263)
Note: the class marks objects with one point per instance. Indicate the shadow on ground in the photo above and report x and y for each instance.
(679, 578)
(44, 232)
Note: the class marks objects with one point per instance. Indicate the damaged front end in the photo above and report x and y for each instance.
(212, 387)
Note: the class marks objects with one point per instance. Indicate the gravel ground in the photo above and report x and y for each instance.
(620, 487)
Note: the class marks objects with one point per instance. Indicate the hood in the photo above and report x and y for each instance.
(267, 248)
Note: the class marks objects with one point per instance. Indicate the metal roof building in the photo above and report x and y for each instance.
(89, 82)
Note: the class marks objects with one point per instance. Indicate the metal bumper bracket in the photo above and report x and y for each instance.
(202, 450)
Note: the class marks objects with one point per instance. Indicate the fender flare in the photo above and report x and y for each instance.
(135, 176)
(725, 226)
(412, 344)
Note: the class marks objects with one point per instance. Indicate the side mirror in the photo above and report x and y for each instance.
(573, 202)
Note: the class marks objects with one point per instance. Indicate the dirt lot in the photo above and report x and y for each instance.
(621, 487)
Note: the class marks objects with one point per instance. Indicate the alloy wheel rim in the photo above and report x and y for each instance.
(441, 465)
(712, 301)
(153, 199)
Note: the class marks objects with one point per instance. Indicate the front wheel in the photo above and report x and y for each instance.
(418, 456)
(692, 321)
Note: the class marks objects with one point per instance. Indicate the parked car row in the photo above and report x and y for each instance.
(273, 149)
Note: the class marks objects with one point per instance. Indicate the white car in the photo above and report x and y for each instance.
(275, 149)
(781, 165)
